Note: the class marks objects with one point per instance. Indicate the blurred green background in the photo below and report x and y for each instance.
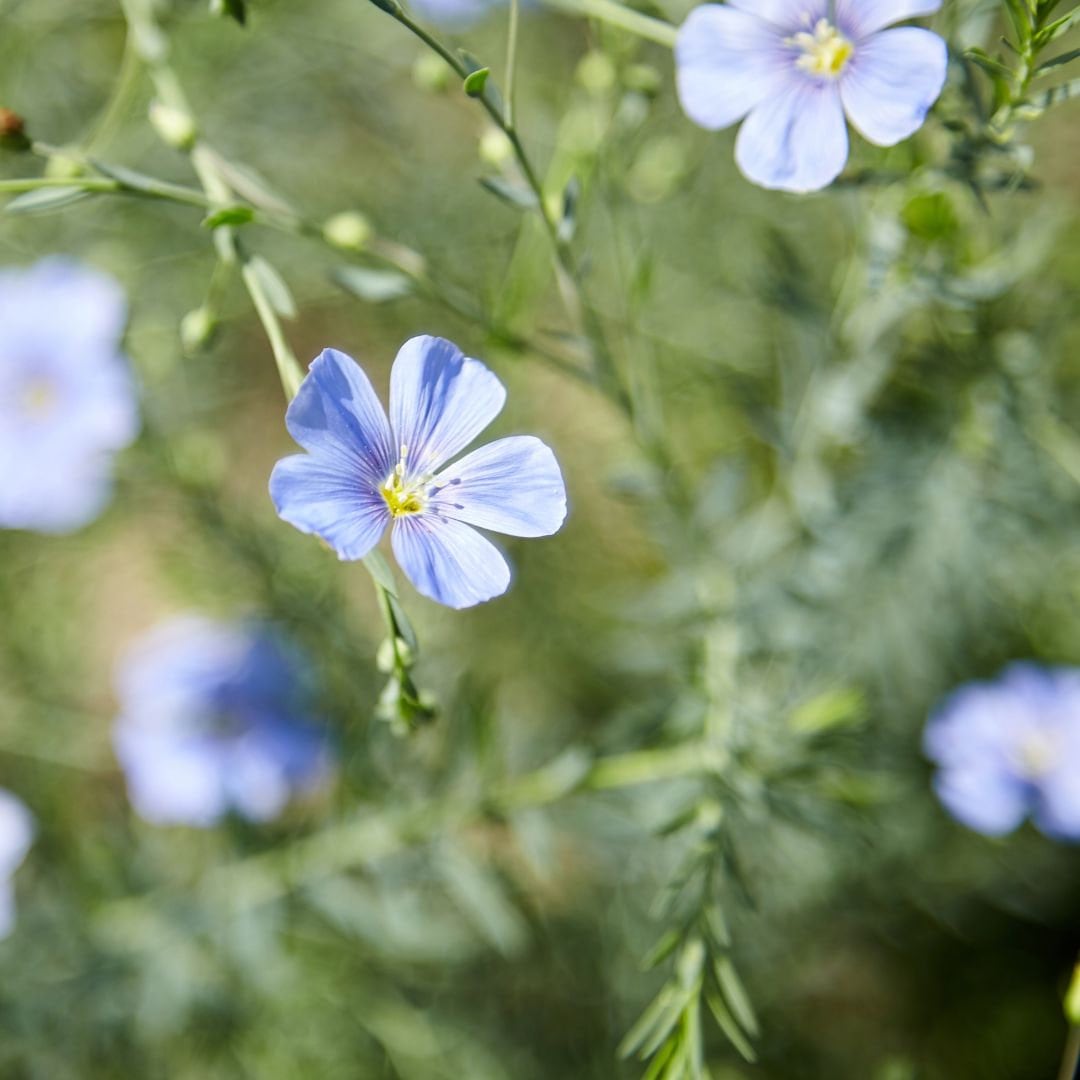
(851, 485)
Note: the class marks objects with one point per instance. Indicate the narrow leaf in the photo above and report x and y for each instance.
(374, 286)
(42, 200)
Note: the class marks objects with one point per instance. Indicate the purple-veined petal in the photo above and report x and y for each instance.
(892, 81)
(860, 18)
(796, 141)
(988, 800)
(788, 15)
(337, 417)
(511, 486)
(448, 561)
(440, 400)
(335, 502)
(727, 61)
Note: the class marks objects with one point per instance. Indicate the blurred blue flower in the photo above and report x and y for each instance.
(216, 717)
(363, 473)
(453, 14)
(793, 68)
(1011, 748)
(67, 400)
(16, 835)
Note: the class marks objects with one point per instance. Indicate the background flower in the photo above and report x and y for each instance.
(215, 717)
(453, 14)
(793, 68)
(1009, 748)
(363, 473)
(16, 835)
(67, 401)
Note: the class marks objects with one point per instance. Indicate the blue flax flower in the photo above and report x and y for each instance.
(363, 472)
(1010, 748)
(67, 400)
(215, 717)
(16, 835)
(453, 14)
(793, 68)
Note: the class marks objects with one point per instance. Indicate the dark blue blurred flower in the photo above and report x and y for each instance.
(1011, 748)
(216, 717)
(67, 400)
(795, 68)
(16, 835)
(363, 473)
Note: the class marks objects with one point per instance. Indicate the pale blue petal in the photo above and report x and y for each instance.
(448, 561)
(788, 15)
(16, 832)
(336, 416)
(453, 14)
(796, 141)
(337, 503)
(54, 493)
(727, 61)
(891, 83)
(172, 781)
(257, 784)
(986, 799)
(511, 486)
(860, 18)
(440, 400)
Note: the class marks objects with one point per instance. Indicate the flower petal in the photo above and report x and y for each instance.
(448, 561)
(988, 800)
(337, 416)
(333, 502)
(511, 486)
(892, 81)
(795, 141)
(859, 18)
(789, 15)
(440, 400)
(727, 61)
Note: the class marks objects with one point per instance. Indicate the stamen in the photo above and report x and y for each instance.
(824, 52)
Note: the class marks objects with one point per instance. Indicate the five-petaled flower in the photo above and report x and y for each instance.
(67, 399)
(793, 68)
(363, 472)
(1009, 748)
(16, 836)
(216, 717)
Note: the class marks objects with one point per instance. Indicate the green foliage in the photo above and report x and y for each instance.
(664, 800)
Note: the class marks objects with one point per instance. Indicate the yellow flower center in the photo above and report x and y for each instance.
(1036, 754)
(38, 397)
(824, 52)
(404, 495)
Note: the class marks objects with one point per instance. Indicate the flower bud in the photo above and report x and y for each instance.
(175, 126)
(495, 148)
(349, 231)
(597, 73)
(197, 329)
(432, 73)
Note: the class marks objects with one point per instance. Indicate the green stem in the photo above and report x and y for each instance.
(614, 14)
(511, 59)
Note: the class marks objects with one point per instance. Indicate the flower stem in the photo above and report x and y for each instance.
(615, 14)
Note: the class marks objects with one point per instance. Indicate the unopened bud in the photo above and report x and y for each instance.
(596, 73)
(432, 73)
(495, 148)
(62, 167)
(349, 230)
(175, 126)
(197, 329)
